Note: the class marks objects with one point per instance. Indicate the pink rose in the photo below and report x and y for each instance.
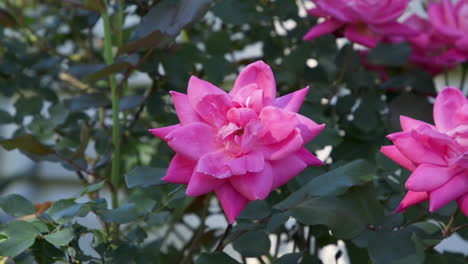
(365, 22)
(450, 22)
(437, 155)
(241, 144)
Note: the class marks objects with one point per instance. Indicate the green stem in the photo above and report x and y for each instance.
(115, 174)
(120, 21)
(448, 227)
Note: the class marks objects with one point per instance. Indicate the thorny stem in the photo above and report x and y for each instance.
(115, 174)
(221, 245)
(448, 228)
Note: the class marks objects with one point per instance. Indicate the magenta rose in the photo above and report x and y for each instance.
(436, 155)
(241, 144)
(365, 22)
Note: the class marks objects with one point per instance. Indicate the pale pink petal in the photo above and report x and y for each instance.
(448, 192)
(253, 131)
(231, 201)
(309, 129)
(249, 96)
(201, 183)
(251, 162)
(254, 186)
(163, 131)
(180, 170)
(208, 101)
(258, 73)
(192, 140)
(362, 35)
(393, 153)
(446, 106)
(309, 158)
(282, 149)
(286, 169)
(293, 101)
(215, 165)
(278, 123)
(463, 203)
(408, 124)
(411, 198)
(428, 177)
(326, 27)
(184, 111)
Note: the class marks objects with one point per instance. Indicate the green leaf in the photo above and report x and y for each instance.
(28, 106)
(235, 12)
(359, 207)
(164, 22)
(396, 247)
(122, 64)
(256, 210)
(417, 79)
(60, 238)
(390, 54)
(124, 214)
(145, 176)
(292, 258)
(252, 244)
(87, 101)
(131, 101)
(215, 258)
(64, 210)
(16, 205)
(19, 235)
(5, 117)
(26, 143)
(93, 5)
(334, 182)
(90, 188)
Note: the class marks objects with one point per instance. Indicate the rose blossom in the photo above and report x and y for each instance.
(365, 21)
(241, 144)
(436, 155)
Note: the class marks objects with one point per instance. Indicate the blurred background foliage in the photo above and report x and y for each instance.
(53, 73)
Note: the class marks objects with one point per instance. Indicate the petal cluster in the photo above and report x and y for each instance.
(241, 144)
(365, 22)
(436, 154)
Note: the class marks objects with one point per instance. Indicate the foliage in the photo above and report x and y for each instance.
(54, 72)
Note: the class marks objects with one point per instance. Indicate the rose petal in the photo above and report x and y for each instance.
(192, 140)
(408, 124)
(201, 183)
(278, 123)
(428, 177)
(254, 186)
(241, 116)
(251, 162)
(309, 158)
(214, 164)
(448, 192)
(309, 129)
(231, 201)
(293, 101)
(258, 73)
(446, 106)
(184, 111)
(393, 153)
(411, 198)
(163, 131)
(286, 169)
(208, 101)
(288, 146)
(362, 35)
(463, 204)
(326, 27)
(180, 170)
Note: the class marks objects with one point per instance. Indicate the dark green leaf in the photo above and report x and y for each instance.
(145, 176)
(215, 258)
(124, 214)
(16, 205)
(19, 236)
(26, 143)
(164, 22)
(292, 258)
(252, 244)
(256, 210)
(390, 54)
(60, 238)
(90, 188)
(131, 101)
(87, 101)
(334, 182)
(5, 117)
